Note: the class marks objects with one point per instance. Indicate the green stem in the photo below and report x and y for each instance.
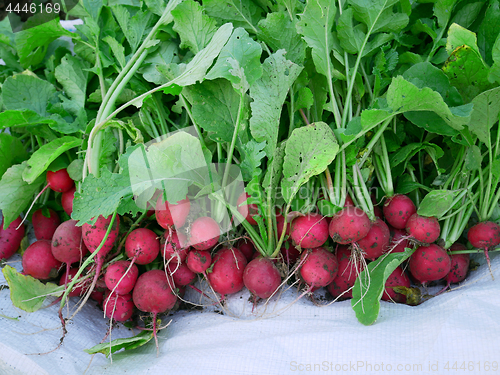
(233, 142)
(374, 140)
(434, 46)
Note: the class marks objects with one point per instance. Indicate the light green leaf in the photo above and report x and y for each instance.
(75, 170)
(278, 31)
(473, 158)
(485, 113)
(269, 93)
(72, 76)
(108, 348)
(368, 290)
(308, 152)
(26, 292)
(168, 52)
(23, 91)
(246, 52)
(117, 49)
(41, 158)
(436, 203)
(193, 26)
(274, 171)
(378, 15)
(241, 13)
(252, 153)
(351, 37)
(11, 152)
(15, 193)
(458, 36)
(494, 73)
(443, 10)
(134, 27)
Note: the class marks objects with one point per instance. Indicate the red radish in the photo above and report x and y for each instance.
(261, 277)
(319, 267)
(423, 229)
(309, 231)
(376, 242)
(67, 243)
(226, 276)
(347, 274)
(119, 307)
(67, 277)
(45, 227)
(290, 253)
(154, 293)
(94, 234)
(205, 233)
(429, 263)
(172, 214)
(459, 265)
(142, 245)
(397, 278)
(280, 221)
(119, 278)
(39, 262)
(247, 248)
(378, 212)
(181, 274)
(60, 181)
(67, 200)
(484, 235)
(10, 238)
(398, 209)
(349, 225)
(175, 247)
(348, 201)
(399, 240)
(198, 261)
(248, 211)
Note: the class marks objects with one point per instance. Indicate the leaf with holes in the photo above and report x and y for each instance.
(308, 152)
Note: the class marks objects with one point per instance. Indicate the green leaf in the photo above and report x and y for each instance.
(246, 52)
(23, 92)
(193, 26)
(351, 37)
(26, 292)
(215, 108)
(368, 290)
(11, 152)
(241, 13)
(108, 348)
(15, 193)
(485, 114)
(443, 10)
(308, 152)
(72, 76)
(378, 15)
(75, 169)
(269, 93)
(134, 27)
(406, 185)
(32, 44)
(467, 72)
(279, 32)
(405, 153)
(458, 36)
(304, 98)
(489, 30)
(473, 158)
(117, 49)
(436, 203)
(315, 26)
(167, 53)
(41, 158)
(274, 171)
(494, 74)
(252, 159)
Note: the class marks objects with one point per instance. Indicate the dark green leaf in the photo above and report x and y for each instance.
(241, 13)
(473, 158)
(489, 30)
(11, 152)
(406, 185)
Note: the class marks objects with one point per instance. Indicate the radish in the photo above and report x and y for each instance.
(399, 240)
(309, 231)
(226, 276)
(349, 225)
(142, 246)
(121, 276)
(289, 253)
(261, 277)
(398, 209)
(248, 211)
(10, 238)
(429, 263)
(67, 199)
(319, 267)
(119, 307)
(376, 242)
(170, 214)
(484, 235)
(247, 248)
(60, 181)
(205, 233)
(349, 269)
(154, 293)
(39, 262)
(45, 227)
(175, 247)
(397, 278)
(459, 265)
(181, 274)
(199, 261)
(424, 230)
(67, 243)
